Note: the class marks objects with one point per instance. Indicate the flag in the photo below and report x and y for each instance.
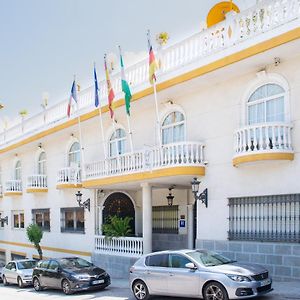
(72, 96)
(96, 88)
(110, 91)
(125, 86)
(152, 62)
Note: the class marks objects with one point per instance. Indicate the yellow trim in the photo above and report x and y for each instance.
(225, 61)
(37, 190)
(13, 193)
(18, 253)
(167, 172)
(68, 186)
(262, 156)
(3, 250)
(61, 250)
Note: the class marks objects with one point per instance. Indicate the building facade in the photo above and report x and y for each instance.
(228, 114)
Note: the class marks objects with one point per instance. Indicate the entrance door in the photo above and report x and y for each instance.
(119, 204)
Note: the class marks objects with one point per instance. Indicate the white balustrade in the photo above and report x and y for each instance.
(265, 16)
(267, 137)
(177, 154)
(37, 181)
(13, 186)
(69, 175)
(125, 246)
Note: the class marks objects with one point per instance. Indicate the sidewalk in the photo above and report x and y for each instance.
(285, 289)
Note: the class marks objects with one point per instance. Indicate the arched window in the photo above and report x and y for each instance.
(18, 170)
(117, 143)
(173, 128)
(266, 104)
(74, 155)
(42, 163)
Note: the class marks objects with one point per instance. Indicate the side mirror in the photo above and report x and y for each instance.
(191, 266)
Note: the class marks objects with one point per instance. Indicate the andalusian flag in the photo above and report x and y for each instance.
(73, 96)
(125, 85)
(153, 66)
(110, 91)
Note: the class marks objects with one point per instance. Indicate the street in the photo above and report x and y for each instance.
(12, 292)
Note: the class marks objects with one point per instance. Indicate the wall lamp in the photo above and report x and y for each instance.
(85, 204)
(170, 197)
(4, 220)
(195, 189)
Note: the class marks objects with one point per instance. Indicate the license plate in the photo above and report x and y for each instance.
(98, 281)
(265, 282)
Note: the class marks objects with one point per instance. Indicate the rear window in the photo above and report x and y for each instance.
(159, 260)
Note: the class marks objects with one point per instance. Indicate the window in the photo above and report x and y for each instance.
(173, 128)
(160, 260)
(43, 264)
(265, 218)
(266, 104)
(41, 217)
(178, 261)
(42, 164)
(74, 155)
(2, 222)
(18, 170)
(117, 143)
(165, 219)
(18, 219)
(72, 219)
(53, 265)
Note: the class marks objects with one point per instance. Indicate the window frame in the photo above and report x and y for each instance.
(71, 153)
(18, 213)
(41, 211)
(74, 210)
(42, 164)
(114, 143)
(18, 170)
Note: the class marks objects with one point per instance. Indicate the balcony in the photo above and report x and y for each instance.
(183, 158)
(13, 188)
(37, 184)
(69, 177)
(261, 142)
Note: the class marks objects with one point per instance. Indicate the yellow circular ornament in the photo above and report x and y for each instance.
(218, 12)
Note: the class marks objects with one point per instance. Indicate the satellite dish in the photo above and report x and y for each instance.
(218, 12)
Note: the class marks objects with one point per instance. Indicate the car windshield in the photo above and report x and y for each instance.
(209, 258)
(28, 264)
(76, 262)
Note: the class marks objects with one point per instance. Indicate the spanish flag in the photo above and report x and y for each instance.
(153, 66)
(110, 91)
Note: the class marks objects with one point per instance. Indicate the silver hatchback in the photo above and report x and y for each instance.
(197, 273)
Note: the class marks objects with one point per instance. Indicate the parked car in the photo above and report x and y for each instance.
(18, 272)
(70, 274)
(2, 264)
(197, 273)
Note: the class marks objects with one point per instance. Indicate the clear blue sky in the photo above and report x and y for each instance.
(45, 42)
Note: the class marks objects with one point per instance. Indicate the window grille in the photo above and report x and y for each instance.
(165, 219)
(265, 218)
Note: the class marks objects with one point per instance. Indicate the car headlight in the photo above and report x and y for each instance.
(82, 277)
(239, 278)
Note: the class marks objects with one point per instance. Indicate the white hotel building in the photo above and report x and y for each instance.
(229, 113)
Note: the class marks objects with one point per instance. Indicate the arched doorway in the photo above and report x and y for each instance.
(119, 204)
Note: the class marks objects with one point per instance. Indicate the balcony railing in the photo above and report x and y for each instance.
(172, 155)
(69, 175)
(37, 182)
(264, 17)
(268, 137)
(13, 186)
(125, 246)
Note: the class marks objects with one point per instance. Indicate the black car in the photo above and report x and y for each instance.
(70, 274)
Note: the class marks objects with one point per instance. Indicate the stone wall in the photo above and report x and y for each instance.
(116, 266)
(282, 260)
(164, 241)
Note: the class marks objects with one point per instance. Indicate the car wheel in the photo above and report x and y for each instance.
(140, 290)
(37, 285)
(5, 282)
(214, 291)
(20, 282)
(66, 287)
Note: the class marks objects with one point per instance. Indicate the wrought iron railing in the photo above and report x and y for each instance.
(265, 218)
(165, 219)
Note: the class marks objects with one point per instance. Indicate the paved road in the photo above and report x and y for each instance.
(111, 293)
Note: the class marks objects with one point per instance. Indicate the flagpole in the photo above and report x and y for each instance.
(127, 115)
(101, 121)
(80, 132)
